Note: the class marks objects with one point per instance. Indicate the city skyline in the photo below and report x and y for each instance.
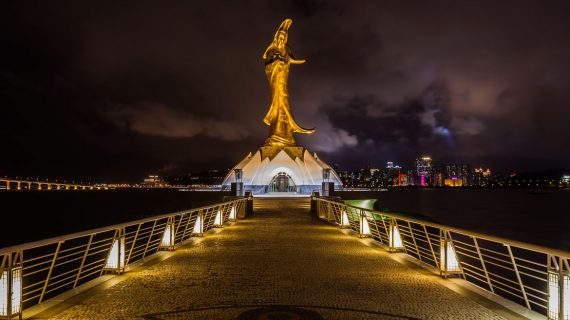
(112, 92)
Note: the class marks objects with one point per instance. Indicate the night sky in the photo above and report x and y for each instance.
(113, 91)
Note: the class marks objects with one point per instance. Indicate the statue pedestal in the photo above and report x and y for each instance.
(275, 169)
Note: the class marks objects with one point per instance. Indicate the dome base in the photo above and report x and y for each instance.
(282, 169)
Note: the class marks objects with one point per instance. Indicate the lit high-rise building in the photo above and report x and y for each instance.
(424, 170)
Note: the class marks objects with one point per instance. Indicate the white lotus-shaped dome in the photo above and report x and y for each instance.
(304, 168)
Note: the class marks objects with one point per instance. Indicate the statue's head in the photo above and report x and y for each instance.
(280, 39)
(282, 33)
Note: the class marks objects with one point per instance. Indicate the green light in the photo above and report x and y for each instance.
(364, 203)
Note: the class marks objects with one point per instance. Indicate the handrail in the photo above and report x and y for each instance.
(69, 236)
(37, 271)
(520, 244)
(533, 276)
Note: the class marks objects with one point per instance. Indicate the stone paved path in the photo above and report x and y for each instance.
(281, 255)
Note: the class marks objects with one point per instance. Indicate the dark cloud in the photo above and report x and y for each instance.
(117, 90)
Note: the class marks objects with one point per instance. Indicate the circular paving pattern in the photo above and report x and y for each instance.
(279, 313)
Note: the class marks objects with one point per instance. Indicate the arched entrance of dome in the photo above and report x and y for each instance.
(282, 182)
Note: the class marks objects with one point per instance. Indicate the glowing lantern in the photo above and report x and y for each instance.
(558, 295)
(232, 214)
(344, 222)
(11, 292)
(116, 258)
(198, 226)
(448, 259)
(394, 238)
(218, 221)
(167, 241)
(364, 226)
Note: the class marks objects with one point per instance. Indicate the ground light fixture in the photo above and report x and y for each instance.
(558, 289)
(394, 237)
(364, 226)
(167, 241)
(232, 214)
(116, 259)
(344, 223)
(10, 289)
(218, 221)
(448, 262)
(198, 226)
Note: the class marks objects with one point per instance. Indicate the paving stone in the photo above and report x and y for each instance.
(279, 256)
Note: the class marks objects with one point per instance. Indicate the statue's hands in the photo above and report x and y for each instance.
(295, 61)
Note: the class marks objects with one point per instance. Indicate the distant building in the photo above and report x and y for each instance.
(391, 174)
(424, 171)
(480, 177)
(403, 180)
(154, 181)
(453, 182)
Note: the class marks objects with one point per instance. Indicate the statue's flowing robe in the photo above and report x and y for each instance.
(279, 117)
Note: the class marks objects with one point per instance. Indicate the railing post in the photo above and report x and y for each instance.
(135, 238)
(50, 271)
(11, 286)
(517, 273)
(83, 260)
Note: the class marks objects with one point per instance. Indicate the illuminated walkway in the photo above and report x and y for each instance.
(281, 255)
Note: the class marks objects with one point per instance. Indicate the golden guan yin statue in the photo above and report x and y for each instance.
(278, 59)
(280, 165)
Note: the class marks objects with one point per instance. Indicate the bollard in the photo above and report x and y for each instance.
(314, 197)
(249, 205)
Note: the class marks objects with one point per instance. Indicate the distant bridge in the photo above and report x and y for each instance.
(18, 184)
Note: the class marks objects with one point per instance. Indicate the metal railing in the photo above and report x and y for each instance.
(533, 276)
(35, 272)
